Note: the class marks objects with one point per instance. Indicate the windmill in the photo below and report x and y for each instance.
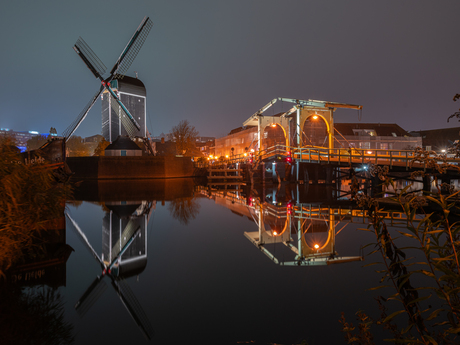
(111, 269)
(118, 71)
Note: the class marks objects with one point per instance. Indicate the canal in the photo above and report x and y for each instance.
(188, 271)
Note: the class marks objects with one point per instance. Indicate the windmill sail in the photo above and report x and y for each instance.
(91, 295)
(91, 60)
(127, 121)
(74, 125)
(129, 232)
(134, 307)
(132, 48)
(86, 242)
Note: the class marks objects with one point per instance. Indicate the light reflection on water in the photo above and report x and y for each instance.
(207, 266)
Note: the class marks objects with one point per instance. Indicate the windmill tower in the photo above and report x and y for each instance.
(132, 94)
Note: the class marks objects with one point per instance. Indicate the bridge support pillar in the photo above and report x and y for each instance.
(427, 183)
(329, 174)
(376, 186)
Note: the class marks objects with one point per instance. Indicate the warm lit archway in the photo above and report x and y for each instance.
(273, 134)
(315, 131)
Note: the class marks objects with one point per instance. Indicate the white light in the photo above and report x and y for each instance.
(33, 132)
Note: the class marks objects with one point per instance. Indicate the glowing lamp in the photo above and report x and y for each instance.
(275, 233)
(273, 124)
(316, 246)
(315, 117)
(226, 156)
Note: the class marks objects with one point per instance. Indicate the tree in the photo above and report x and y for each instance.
(101, 146)
(36, 142)
(53, 131)
(185, 136)
(76, 147)
(31, 200)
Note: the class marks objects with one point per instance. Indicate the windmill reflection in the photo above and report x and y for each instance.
(124, 254)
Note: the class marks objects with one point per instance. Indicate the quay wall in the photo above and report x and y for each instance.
(122, 167)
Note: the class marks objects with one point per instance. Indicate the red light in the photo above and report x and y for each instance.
(108, 84)
(288, 159)
(250, 161)
(289, 153)
(288, 211)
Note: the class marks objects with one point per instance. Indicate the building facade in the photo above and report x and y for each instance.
(374, 136)
(133, 95)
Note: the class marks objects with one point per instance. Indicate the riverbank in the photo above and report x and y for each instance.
(143, 167)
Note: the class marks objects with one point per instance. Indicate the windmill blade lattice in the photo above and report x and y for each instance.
(68, 132)
(134, 307)
(88, 53)
(131, 50)
(91, 295)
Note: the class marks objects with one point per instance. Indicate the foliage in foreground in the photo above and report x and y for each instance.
(30, 201)
(33, 316)
(426, 286)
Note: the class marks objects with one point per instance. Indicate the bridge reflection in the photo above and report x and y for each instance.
(287, 216)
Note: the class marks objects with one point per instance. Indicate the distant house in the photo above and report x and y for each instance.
(123, 146)
(374, 136)
(438, 139)
(164, 148)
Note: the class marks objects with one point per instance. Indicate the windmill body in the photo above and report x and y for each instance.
(132, 94)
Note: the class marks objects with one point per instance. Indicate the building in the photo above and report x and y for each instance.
(438, 140)
(367, 136)
(374, 136)
(132, 94)
(21, 137)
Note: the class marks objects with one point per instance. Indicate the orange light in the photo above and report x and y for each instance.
(245, 154)
(316, 246)
(369, 152)
(315, 117)
(275, 233)
(273, 124)
(226, 156)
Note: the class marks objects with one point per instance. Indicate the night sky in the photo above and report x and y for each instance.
(215, 62)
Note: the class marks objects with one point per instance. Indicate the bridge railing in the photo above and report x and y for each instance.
(312, 154)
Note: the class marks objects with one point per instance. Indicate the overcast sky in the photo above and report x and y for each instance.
(216, 62)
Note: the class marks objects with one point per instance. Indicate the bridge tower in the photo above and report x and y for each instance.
(315, 116)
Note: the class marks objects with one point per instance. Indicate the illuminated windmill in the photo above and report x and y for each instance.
(98, 69)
